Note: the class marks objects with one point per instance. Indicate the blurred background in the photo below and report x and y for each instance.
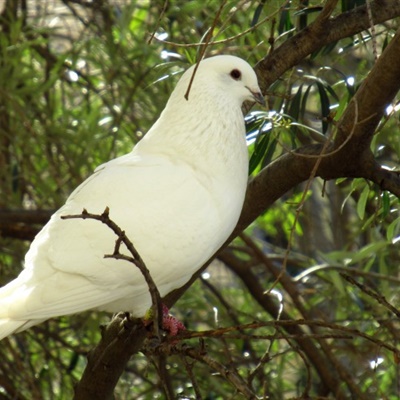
(82, 81)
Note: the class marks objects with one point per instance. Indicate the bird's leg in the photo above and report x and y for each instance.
(169, 323)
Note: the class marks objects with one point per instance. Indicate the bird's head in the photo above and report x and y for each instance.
(232, 76)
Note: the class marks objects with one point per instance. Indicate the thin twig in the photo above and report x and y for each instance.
(227, 371)
(378, 297)
(164, 9)
(348, 270)
(227, 40)
(310, 179)
(135, 258)
(372, 27)
(192, 376)
(345, 332)
(203, 49)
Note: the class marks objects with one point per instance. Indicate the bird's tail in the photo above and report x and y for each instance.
(9, 295)
(10, 326)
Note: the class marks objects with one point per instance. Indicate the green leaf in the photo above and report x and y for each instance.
(270, 152)
(362, 202)
(294, 107)
(259, 151)
(325, 105)
(370, 250)
(257, 13)
(337, 281)
(343, 102)
(392, 231)
(285, 24)
(385, 204)
(304, 100)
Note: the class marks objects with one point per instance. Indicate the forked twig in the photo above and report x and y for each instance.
(135, 258)
(372, 293)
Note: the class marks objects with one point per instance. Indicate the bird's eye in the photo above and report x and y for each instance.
(236, 74)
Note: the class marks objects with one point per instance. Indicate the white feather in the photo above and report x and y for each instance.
(178, 196)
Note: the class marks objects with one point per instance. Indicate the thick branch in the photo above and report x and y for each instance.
(372, 98)
(328, 377)
(22, 224)
(107, 361)
(24, 216)
(320, 356)
(319, 34)
(291, 169)
(353, 160)
(122, 337)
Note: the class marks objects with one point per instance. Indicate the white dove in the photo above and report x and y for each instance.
(177, 195)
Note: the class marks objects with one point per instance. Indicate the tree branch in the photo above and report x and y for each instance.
(122, 337)
(354, 159)
(106, 362)
(372, 98)
(135, 258)
(319, 34)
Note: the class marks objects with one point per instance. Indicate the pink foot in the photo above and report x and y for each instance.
(169, 322)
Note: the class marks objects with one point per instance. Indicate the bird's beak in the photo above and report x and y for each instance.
(258, 97)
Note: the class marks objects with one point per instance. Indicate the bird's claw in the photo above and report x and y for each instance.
(169, 323)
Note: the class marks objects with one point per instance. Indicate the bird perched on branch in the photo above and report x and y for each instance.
(177, 196)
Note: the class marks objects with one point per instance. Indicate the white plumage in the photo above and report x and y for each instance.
(178, 196)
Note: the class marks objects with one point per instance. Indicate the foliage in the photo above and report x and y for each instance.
(312, 282)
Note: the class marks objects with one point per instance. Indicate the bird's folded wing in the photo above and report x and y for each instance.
(164, 207)
(60, 294)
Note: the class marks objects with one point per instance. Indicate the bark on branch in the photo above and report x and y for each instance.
(319, 34)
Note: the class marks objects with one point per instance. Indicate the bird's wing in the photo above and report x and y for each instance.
(57, 294)
(162, 205)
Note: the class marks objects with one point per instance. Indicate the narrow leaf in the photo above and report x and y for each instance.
(325, 105)
(385, 204)
(362, 202)
(257, 13)
(370, 250)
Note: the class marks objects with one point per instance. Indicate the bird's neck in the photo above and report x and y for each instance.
(199, 129)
